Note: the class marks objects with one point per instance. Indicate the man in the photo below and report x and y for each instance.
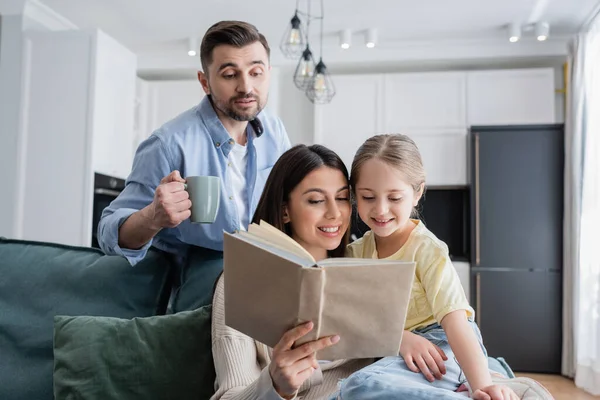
(226, 135)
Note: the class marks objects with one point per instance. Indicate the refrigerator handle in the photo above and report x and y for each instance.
(478, 299)
(477, 215)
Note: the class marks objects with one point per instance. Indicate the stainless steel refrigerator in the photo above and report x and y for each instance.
(517, 229)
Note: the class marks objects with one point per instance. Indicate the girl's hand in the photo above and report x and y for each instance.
(495, 392)
(422, 355)
(290, 367)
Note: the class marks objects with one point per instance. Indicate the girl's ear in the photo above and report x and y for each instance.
(286, 215)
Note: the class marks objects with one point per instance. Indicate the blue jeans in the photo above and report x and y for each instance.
(390, 378)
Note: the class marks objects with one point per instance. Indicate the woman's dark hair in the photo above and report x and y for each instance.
(287, 173)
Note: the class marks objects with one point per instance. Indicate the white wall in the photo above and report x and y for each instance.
(560, 98)
(10, 119)
(295, 110)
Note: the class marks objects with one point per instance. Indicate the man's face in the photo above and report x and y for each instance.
(238, 80)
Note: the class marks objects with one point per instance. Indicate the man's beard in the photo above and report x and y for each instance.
(227, 107)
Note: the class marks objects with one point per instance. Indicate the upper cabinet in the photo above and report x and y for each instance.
(435, 109)
(424, 101)
(511, 97)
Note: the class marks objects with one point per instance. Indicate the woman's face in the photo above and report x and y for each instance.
(318, 211)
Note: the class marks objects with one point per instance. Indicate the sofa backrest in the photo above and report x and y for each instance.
(40, 280)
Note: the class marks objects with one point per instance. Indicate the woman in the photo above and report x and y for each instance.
(306, 196)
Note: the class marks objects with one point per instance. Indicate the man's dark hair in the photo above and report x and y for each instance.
(232, 33)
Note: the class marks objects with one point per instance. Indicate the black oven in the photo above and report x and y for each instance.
(106, 189)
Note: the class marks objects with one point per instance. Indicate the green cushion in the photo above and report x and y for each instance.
(41, 280)
(162, 357)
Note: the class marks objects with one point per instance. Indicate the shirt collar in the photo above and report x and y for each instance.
(216, 130)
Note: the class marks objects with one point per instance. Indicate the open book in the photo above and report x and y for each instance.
(273, 284)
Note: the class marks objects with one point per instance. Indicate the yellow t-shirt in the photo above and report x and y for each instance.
(436, 290)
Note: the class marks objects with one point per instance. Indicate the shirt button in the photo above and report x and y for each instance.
(229, 164)
(230, 197)
(230, 141)
(218, 144)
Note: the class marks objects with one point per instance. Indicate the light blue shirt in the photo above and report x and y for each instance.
(194, 143)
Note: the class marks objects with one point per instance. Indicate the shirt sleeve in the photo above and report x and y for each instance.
(151, 163)
(441, 284)
(239, 375)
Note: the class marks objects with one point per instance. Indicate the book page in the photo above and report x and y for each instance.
(270, 234)
(271, 247)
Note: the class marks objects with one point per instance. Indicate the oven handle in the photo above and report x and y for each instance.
(107, 192)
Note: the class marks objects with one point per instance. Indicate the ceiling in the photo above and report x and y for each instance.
(154, 27)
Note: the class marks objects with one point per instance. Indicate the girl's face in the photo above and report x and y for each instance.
(384, 199)
(318, 211)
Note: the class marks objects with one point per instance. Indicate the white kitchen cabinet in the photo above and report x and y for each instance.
(511, 97)
(113, 69)
(435, 109)
(357, 113)
(424, 101)
(353, 116)
(444, 156)
(78, 113)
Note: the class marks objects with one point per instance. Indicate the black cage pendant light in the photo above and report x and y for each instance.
(293, 41)
(304, 70)
(310, 77)
(320, 89)
(306, 63)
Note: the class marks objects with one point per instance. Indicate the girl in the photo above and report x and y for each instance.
(441, 340)
(307, 196)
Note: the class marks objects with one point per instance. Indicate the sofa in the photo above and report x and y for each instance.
(39, 281)
(44, 285)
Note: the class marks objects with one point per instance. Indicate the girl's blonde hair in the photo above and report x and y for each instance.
(396, 150)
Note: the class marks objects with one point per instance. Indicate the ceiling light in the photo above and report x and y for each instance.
(320, 90)
(294, 38)
(304, 70)
(192, 46)
(371, 39)
(542, 30)
(345, 39)
(514, 32)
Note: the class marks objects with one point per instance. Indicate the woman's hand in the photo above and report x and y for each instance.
(290, 367)
(495, 392)
(423, 356)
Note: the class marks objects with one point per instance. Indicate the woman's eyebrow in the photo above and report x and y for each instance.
(319, 190)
